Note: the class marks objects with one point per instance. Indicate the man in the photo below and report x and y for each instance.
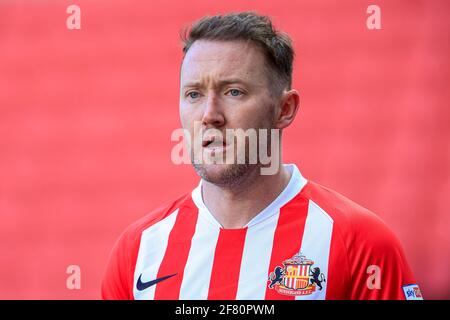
(246, 233)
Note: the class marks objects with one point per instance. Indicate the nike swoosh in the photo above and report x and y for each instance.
(144, 285)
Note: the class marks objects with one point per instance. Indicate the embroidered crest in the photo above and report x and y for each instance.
(296, 277)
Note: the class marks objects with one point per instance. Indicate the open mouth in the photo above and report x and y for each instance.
(213, 142)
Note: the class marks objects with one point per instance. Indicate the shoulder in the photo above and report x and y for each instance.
(119, 272)
(131, 235)
(356, 224)
(376, 263)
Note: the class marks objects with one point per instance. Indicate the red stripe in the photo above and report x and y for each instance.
(177, 252)
(227, 264)
(287, 239)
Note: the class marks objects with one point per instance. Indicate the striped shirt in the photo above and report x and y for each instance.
(309, 243)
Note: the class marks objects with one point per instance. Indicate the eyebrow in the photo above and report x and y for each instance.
(220, 83)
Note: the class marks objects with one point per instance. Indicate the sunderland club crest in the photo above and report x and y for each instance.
(297, 277)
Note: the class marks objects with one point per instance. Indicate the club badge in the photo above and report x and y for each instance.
(296, 277)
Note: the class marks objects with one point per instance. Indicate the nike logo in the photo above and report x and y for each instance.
(144, 285)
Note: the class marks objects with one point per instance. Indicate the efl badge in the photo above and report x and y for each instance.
(296, 277)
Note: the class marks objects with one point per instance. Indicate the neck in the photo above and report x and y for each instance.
(234, 207)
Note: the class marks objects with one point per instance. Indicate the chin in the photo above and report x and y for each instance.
(222, 174)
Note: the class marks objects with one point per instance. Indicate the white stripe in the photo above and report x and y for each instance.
(316, 245)
(197, 272)
(253, 275)
(295, 185)
(151, 253)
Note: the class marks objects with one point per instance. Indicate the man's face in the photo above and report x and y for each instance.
(224, 85)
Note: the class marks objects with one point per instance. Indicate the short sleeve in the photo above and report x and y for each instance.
(378, 267)
(118, 277)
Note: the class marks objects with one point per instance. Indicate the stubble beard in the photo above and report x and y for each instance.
(230, 176)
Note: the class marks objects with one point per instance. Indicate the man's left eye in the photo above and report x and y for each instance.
(235, 92)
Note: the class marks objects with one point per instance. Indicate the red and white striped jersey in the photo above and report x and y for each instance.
(309, 243)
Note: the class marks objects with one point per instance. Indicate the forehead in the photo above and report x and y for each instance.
(207, 59)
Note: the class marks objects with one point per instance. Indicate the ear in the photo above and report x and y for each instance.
(288, 107)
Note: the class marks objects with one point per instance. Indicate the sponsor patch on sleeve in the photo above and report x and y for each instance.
(412, 292)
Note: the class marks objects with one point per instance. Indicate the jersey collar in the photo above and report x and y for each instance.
(295, 185)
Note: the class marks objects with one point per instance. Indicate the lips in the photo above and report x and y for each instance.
(206, 142)
(213, 142)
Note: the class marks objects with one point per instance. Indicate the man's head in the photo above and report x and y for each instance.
(236, 74)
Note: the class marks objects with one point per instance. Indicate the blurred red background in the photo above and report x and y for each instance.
(86, 117)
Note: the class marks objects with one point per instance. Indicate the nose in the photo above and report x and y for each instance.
(213, 115)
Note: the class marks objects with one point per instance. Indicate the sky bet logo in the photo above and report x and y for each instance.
(412, 292)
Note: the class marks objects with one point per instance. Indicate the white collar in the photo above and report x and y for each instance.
(295, 185)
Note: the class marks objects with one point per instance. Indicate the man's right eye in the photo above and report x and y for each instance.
(193, 94)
